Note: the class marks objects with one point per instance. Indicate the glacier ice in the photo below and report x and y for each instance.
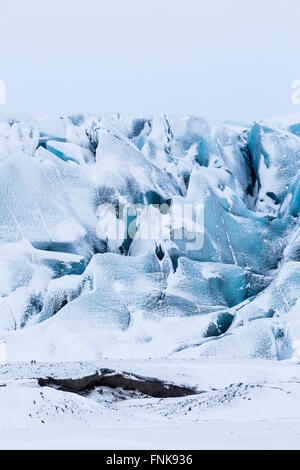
(276, 160)
(255, 340)
(223, 285)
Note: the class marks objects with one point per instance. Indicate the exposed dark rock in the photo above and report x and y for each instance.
(109, 378)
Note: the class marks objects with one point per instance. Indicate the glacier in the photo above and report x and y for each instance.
(227, 287)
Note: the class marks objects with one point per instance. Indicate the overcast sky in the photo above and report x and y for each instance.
(226, 59)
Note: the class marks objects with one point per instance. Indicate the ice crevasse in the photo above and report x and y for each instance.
(69, 289)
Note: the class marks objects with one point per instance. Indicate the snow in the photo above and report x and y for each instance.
(243, 405)
(199, 284)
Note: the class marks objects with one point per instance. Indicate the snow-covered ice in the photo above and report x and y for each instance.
(209, 296)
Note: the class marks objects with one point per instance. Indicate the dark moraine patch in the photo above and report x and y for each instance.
(109, 378)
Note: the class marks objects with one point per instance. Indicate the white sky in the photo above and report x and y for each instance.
(227, 59)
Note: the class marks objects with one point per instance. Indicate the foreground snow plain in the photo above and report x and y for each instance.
(249, 404)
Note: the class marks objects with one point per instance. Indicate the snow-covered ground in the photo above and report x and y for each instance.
(210, 298)
(249, 404)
